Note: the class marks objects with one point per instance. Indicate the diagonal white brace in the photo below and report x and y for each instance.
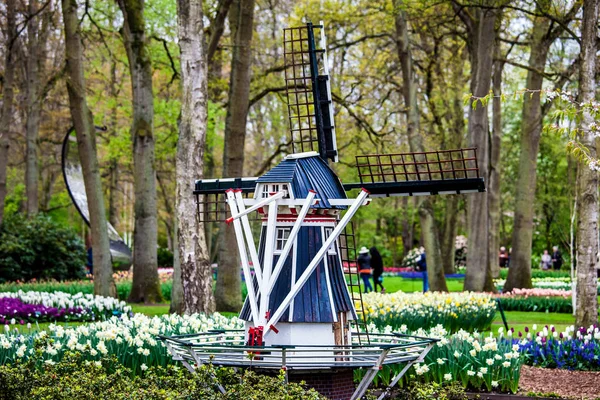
(268, 260)
(249, 239)
(255, 207)
(243, 256)
(316, 260)
(290, 240)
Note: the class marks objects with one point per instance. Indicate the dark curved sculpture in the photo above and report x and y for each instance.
(121, 255)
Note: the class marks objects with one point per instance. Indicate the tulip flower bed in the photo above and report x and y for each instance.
(542, 300)
(572, 350)
(84, 286)
(22, 307)
(476, 362)
(132, 340)
(557, 283)
(454, 311)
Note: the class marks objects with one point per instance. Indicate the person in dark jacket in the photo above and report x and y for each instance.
(557, 260)
(364, 268)
(422, 265)
(377, 267)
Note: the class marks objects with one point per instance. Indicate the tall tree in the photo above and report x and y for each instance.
(241, 19)
(146, 285)
(587, 178)
(431, 236)
(480, 23)
(86, 144)
(494, 177)
(7, 98)
(37, 35)
(216, 28)
(544, 32)
(196, 271)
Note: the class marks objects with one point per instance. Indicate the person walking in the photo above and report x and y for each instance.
(377, 266)
(546, 260)
(422, 265)
(503, 257)
(557, 260)
(364, 268)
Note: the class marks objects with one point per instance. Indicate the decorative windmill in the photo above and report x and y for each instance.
(298, 296)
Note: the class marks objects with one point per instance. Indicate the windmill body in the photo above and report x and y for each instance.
(319, 313)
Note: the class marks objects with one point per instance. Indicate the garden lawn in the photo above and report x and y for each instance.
(394, 284)
(521, 319)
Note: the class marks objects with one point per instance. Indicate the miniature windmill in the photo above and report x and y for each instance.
(298, 295)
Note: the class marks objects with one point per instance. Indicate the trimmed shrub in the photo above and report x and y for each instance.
(39, 248)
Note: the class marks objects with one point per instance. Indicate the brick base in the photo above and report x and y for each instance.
(333, 384)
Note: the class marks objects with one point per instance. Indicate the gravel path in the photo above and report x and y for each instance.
(568, 384)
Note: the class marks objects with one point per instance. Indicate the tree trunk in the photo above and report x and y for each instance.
(449, 234)
(176, 305)
(241, 16)
(196, 272)
(494, 179)
(481, 39)
(407, 228)
(587, 179)
(431, 238)
(86, 144)
(146, 286)
(36, 41)
(113, 190)
(519, 274)
(7, 99)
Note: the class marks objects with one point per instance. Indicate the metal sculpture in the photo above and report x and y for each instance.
(298, 309)
(121, 255)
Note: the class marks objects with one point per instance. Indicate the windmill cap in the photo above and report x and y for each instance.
(363, 250)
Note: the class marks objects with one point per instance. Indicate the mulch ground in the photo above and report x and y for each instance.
(567, 384)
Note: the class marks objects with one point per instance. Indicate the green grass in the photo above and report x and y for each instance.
(394, 284)
(521, 319)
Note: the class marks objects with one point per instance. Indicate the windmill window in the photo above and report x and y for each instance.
(268, 189)
(328, 230)
(281, 237)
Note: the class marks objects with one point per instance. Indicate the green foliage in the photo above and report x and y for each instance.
(539, 273)
(432, 391)
(75, 378)
(39, 248)
(538, 304)
(165, 257)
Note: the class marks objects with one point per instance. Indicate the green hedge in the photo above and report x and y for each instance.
(539, 273)
(539, 304)
(39, 248)
(73, 378)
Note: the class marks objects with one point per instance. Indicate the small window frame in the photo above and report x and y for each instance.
(327, 231)
(282, 235)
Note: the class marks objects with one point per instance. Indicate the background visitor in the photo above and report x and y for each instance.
(422, 266)
(546, 260)
(377, 267)
(364, 268)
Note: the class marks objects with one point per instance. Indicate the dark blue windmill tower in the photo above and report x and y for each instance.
(299, 295)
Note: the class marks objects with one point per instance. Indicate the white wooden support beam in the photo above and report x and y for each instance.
(249, 239)
(285, 202)
(256, 206)
(316, 260)
(268, 259)
(290, 241)
(243, 256)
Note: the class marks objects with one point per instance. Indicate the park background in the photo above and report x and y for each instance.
(505, 77)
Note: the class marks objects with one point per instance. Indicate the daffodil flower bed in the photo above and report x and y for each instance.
(132, 340)
(454, 311)
(22, 307)
(477, 361)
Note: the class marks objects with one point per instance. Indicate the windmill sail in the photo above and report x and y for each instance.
(309, 92)
(73, 176)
